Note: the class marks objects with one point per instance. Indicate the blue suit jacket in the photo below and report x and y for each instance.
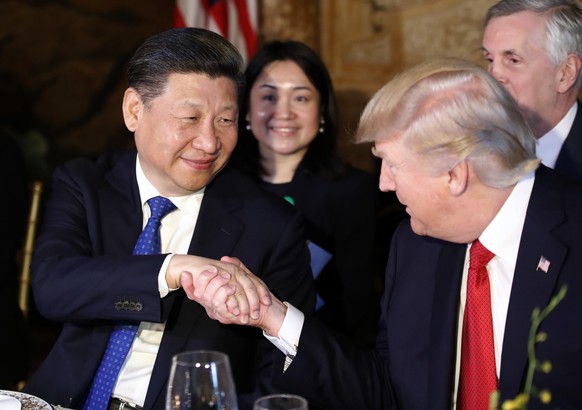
(413, 364)
(84, 274)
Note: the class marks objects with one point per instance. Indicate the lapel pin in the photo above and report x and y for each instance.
(543, 264)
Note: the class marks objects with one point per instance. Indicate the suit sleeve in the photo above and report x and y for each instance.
(335, 373)
(82, 266)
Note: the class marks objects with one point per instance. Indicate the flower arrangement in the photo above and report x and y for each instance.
(520, 402)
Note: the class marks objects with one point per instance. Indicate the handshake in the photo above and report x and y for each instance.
(229, 292)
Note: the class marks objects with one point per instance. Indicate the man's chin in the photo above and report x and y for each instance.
(417, 228)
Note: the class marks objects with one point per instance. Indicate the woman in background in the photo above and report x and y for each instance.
(288, 130)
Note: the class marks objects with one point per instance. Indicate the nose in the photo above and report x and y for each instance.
(283, 109)
(206, 139)
(495, 70)
(387, 182)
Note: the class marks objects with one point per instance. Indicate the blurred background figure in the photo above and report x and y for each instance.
(288, 131)
(534, 50)
(14, 343)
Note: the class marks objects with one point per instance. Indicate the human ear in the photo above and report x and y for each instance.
(459, 178)
(131, 107)
(569, 71)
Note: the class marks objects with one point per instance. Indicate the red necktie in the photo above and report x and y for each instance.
(478, 376)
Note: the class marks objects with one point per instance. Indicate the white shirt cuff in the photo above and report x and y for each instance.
(163, 287)
(288, 338)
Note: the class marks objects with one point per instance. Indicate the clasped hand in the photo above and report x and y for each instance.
(227, 289)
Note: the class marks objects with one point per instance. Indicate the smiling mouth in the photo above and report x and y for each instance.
(200, 165)
(284, 130)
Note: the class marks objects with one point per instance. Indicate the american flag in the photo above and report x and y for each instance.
(235, 20)
(543, 264)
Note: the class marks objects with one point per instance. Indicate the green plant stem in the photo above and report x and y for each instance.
(537, 318)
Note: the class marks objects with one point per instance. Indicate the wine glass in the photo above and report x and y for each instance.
(281, 402)
(201, 380)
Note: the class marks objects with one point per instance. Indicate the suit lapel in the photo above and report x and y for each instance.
(569, 160)
(216, 234)
(532, 287)
(119, 202)
(443, 339)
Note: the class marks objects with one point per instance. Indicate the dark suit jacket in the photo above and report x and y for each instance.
(82, 267)
(340, 218)
(412, 366)
(569, 160)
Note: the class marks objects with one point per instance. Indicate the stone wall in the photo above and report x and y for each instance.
(62, 62)
(62, 73)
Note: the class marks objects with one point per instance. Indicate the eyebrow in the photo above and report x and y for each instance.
(505, 53)
(274, 87)
(510, 52)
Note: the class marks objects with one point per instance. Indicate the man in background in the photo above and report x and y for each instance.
(534, 48)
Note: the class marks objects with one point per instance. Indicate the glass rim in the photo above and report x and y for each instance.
(282, 396)
(200, 356)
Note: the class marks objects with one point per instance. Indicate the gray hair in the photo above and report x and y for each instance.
(448, 110)
(563, 24)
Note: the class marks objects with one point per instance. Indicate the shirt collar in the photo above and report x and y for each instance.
(503, 234)
(148, 191)
(549, 145)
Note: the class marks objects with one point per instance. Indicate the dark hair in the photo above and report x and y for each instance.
(182, 50)
(321, 158)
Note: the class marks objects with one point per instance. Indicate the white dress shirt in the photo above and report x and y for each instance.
(549, 145)
(502, 237)
(176, 233)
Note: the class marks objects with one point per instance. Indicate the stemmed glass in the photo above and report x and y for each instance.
(281, 402)
(201, 380)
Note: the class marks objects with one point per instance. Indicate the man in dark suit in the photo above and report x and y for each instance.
(181, 105)
(460, 156)
(534, 49)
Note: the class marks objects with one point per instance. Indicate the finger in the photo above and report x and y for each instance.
(248, 297)
(232, 305)
(217, 291)
(187, 283)
(202, 281)
(226, 304)
(233, 260)
(255, 291)
(223, 316)
(263, 291)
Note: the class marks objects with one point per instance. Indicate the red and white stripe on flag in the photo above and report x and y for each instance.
(235, 20)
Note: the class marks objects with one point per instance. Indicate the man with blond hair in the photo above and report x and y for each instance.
(460, 156)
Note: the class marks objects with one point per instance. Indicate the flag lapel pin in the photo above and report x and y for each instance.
(543, 264)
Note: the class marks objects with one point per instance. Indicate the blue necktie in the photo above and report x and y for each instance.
(122, 336)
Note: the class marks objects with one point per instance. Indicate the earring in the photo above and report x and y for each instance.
(248, 126)
(321, 127)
